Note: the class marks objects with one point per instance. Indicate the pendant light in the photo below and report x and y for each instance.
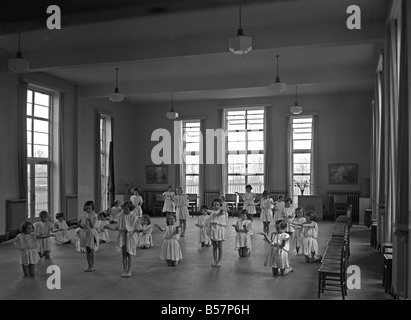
(240, 44)
(18, 64)
(296, 108)
(279, 86)
(116, 96)
(172, 115)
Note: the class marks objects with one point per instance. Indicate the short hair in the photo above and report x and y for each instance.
(248, 186)
(89, 203)
(244, 211)
(147, 217)
(204, 207)
(266, 192)
(299, 209)
(135, 189)
(280, 196)
(179, 188)
(169, 216)
(311, 214)
(59, 215)
(24, 225)
(102, 213)
(43, 213)
(289, 199)
(116, 203)
(128, 204)
(222, 196)
(170, 186)
(282, 224)
(217, 200)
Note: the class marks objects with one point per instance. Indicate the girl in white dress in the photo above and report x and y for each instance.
(88, 234)
(171, 251)
(145, 239)
(289, 215)
(278, 208)
(248, 198)
(26, 242)
(137, 201)
(217, 230)
(100, 226)
(297, 237)
(181, 202)
(310, 234)
(243, 227)
(62, 235)
(277, 256)
(42, 228)
(115, 211)
(266, 214)
(127, 228)
(169, 201)
(202, 224)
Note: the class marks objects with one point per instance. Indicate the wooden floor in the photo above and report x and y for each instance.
(194, 278)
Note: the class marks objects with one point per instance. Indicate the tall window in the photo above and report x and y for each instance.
(105, 136)
(39, 153)
(191, 139)
(301, 150)
(245, 149)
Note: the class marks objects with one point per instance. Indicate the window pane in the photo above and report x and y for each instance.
(255, 163)
(302, 145)
(236, 184)
(29, 109)
(302, 157)
(42, 99)
(40, 138)
(236, 136)
(41, 126)
(306, 136)
(41, 151)
(257, 182)
(29, 125)
(236, 146)
(192, 147)
(256, 145)
(29, 150)
(41, 112)
(41, 188)
(301, 168)
(29, 136)
(236, 163)
(29, 96)
(256, 136)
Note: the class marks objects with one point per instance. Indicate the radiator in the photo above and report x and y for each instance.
(352, 198)
(209, 196)
(71, 207)
(16, 213)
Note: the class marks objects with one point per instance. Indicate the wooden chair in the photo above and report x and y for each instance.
(340, 205)
(387, 254)
(193, 203)
(158, 204)
(231, 199)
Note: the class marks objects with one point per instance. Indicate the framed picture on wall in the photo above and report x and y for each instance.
(156, 174)
(343, 173)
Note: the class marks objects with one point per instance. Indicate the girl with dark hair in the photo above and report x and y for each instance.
(217, 230)
(88, 234)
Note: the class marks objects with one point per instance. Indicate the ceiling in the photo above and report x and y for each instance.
(181, 46)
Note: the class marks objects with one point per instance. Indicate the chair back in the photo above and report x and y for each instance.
(230, 197)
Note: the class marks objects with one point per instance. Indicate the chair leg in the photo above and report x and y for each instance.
(319, 284)
(342, 288)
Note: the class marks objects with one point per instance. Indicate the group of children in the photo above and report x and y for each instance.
(292, 231)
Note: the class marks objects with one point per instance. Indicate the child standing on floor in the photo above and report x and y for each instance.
(288, 215)
(202, 224)
(43, 228)
(217, 230)
(310, 234)
(100, 226)
(169, 201)
(224, 205)
(137, 201)
(277, 256)
(297, 237)
(243, 227)
(145, 239)
(115, 211)
(62, 235)
(171, 251)
(266, 215)
(88, 234)
(279, 206)
(248, 198)
(127, 228)
(181, 202)
(27, 242)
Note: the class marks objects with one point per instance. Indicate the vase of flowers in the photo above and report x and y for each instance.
(302, 185)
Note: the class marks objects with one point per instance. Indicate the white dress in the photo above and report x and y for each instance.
(288, 215)
(63, 235)
(171, 248)
(102, 232)
(168, 203)
(27, 245)
(297, 237)
(278, 257)
(278, 210)
(88, 235)
(42, 229)
(243, 239)
(79, 248)
(310, 243)
(144, 237)
(249, 205)
(217, 225)
(114, 212)
(137, 200)
(181, 201)
(203, 222)
(127, 224)
(266, 206)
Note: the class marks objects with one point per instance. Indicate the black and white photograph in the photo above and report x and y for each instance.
(205, 154)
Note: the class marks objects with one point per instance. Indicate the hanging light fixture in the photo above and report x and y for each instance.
(116, 96)
(296, 108)
(240, 44)
(18, 64)
(278, 85)
(172, 115)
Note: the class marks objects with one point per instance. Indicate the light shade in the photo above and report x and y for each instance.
(279, 86)
(172, 115)
(18, 64)
(116, 96)
(296, 109)
(240, 44)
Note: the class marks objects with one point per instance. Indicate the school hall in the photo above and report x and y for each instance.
(304, 99)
